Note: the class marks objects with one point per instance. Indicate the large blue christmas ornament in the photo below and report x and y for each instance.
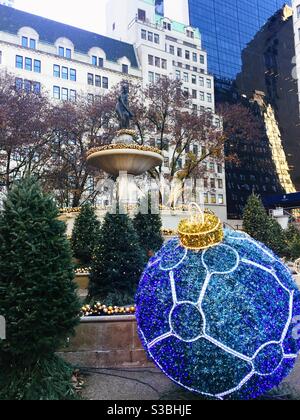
(217, 314)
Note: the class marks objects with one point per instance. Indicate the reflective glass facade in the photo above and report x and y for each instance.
(226, 28)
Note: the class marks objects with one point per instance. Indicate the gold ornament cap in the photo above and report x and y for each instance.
(201, 231)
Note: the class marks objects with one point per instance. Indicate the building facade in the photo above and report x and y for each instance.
(268, 66)
(63, 60)
(171, 48)
(226, 27)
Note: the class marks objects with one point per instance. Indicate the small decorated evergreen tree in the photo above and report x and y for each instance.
(262, 227)
(85, 234)
(37, 296)
(148, 228)
(118, 262)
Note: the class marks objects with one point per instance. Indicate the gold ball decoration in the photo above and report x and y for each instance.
(201, 230)
(102, 310)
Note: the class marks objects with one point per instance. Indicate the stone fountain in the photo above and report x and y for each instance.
(124, 158)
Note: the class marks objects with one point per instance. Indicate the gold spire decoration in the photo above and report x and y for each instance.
(201, 231)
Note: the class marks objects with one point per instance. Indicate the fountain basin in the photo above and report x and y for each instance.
(131, 160)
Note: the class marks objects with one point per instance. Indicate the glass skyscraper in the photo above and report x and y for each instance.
(227, 27)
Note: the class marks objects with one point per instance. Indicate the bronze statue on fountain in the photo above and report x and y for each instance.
(124, 154)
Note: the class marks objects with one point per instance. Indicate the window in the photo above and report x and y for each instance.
(167, 26)
(73, 95)
(68, 53)
(151, 77)
(156, 38)
(164, 64)
(213, 199)
(150, 60)
(208, 83)
(179, 52)
(56, 70)
(186, 77)
(220, 183)
(205, 198)
(65, 73)
(212, 166)
(212, 183)
(61, 51)
(195, 150)
(37, 66)
(172, 49)
(28, 64)
(125, 68)
(73, 75)
(105, 82)
(95, 60)
(90, 79)
(209, 97)
(195, 58)
(202, 96)
(157, 77)
(19, 83)
(194, 93)
(143, 34)
(187, 55)
(178, 74)
(201, 81)
(19, 62)
(90, 98)
(24, 42)
(205, 182)
(194, 79)
(202, 59)
(56, 92)
(150, 36)
(27, 86)
(220, 199)
(186, 92)
(32, 44)
(98, 81)
(36, 88)
(100, 62)
(64, 94)
(157, 62)
(141, 15)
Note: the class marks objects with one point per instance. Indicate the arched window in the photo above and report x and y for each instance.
(29, 38)
(97, 57)
(65, 48)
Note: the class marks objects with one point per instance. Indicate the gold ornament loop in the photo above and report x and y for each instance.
(201, 231)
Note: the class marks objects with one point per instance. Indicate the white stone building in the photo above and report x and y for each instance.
(63, 60)
(166, 47)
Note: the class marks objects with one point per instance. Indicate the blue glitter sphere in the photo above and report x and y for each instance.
(220, 322)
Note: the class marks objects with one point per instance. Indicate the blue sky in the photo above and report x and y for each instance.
(86, 14)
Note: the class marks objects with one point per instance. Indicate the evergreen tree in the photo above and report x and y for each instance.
(85, 234)
(148, 228)
(262, 227)
(37, 294)
(118, 262)
(292, 242)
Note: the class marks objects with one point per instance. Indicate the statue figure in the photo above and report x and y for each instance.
(122, 108)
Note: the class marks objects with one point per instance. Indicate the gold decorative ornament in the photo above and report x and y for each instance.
(122, 146)
(126, 132)
(201, 231)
